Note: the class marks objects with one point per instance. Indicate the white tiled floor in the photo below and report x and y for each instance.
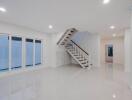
(74, 83)
(67, 83)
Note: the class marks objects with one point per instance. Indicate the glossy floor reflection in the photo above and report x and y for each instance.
(74, 83)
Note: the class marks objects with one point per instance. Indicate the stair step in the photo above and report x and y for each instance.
(72, 52)
(87, 66)
(68, 47)
(65, 39)
(62, 43)
(84, 63)
(80, 57)
(81, 60)
(75, 55)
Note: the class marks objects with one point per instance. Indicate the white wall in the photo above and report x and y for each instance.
(59, 56)
(26, 84)
(128, 56)
(25, 32)
(127, 43)
(118, 49)
(128, 53)
(90, 43)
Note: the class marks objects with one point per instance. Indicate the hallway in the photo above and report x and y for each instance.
(73, 83)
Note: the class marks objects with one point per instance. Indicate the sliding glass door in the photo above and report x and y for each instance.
(4, 52)
(12, 55)
(29, 52)
(37, 52)
(16, 52)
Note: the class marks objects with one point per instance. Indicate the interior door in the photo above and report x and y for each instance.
(109, 53)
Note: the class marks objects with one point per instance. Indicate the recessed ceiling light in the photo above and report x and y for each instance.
(114, 35)
(106, 1)
(50, 26)
(112, 27)
(2, 9)
(114, 96)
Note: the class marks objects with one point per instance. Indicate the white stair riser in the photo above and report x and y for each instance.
(83, 63)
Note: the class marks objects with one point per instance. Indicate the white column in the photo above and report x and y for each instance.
(127, 42)
(128, 53)
(131, 53)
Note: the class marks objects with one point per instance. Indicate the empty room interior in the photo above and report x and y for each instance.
(65, 49)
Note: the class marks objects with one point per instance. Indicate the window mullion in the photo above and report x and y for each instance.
(42, 52)
(23, 53)
(34, 52)
(9, 52)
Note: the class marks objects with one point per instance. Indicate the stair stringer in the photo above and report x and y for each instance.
(75, 59)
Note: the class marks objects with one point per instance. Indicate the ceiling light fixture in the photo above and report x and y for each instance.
(106, 1)
(2, 9)
(112, 27)
(114, 35)
(114, 96)
(50, 26)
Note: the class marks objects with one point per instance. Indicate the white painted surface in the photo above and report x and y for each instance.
(74, 83)
(25, 84)
(128, 53)
(58, 55)
(118, 49)
(52, 54)
(21, 84)
(67, 83)
(127, 43)
(91, 44)
(89, 15)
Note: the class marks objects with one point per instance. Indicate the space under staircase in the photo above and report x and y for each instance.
(76, 52)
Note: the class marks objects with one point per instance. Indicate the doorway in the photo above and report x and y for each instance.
(109, 53)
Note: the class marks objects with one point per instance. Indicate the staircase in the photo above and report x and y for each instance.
(76, 52)
(66, 37)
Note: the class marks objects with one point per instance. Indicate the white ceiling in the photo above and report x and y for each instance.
(85, 15)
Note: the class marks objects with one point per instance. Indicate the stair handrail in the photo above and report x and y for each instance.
(80, 47)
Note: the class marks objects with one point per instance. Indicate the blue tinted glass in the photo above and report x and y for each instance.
(4, 52)
(37, 52)
(29, 52)
(16, 52)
